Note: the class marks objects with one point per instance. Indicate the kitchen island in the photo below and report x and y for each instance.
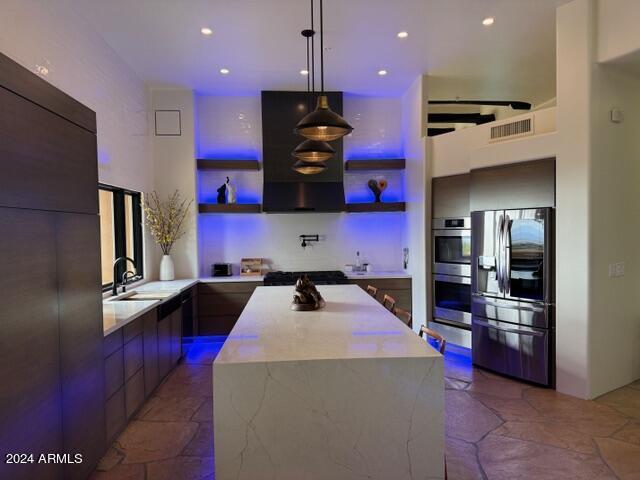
(340, 393)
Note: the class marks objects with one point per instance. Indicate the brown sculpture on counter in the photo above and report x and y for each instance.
(306, 297)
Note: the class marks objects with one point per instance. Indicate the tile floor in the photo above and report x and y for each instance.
(496, 428)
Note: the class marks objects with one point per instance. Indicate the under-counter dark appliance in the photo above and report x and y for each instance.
(330, 277)
(512, 299)
(452, 279)
(221, 270)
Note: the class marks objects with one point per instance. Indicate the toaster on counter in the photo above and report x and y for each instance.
(221, 270)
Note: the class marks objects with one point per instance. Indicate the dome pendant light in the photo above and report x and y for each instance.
(322, 124)
(309, 168)
(311, 151)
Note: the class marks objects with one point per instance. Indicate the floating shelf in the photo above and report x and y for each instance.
(376, 207)
(386, 164)
(230, 208)
(205, 164)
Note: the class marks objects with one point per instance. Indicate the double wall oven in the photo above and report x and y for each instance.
(452, 278)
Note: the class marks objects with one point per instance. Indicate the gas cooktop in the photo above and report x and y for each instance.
(331, 277)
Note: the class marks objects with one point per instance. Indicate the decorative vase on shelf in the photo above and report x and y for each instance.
(166, 268)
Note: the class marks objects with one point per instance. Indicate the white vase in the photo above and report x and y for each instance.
(166, 268)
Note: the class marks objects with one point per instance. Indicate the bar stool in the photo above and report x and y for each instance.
(404, 316)
(389, 303)
(435, 335)
(373, 291)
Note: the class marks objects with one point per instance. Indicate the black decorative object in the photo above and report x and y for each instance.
(306, 297)
(222, 192)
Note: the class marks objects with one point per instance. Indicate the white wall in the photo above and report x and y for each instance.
(417, 192)
(230, 127)
(614, 231)
(47, 37)
(618, 33)
(175, 158)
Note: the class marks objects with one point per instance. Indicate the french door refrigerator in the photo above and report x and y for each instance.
(512, 299)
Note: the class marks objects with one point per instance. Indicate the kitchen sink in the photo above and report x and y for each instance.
(142, 296)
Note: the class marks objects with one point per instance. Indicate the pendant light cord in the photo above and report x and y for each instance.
(308, 80)
(321, 50)
(313, 55)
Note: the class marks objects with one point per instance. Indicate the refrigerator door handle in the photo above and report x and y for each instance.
(499, 253)
(532, 333)
(506, 246)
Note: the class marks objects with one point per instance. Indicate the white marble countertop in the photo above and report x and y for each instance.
(351, 325)
(233, 278)
(116, 314)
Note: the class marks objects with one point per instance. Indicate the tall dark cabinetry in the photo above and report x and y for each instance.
(51, 359)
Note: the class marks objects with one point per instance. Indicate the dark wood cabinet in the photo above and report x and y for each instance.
(30, 402)
(176, 336)
(134, 393)
(150, 348)
(164, 346)
(451, 196)
(81, 339)
(398, 288)
(51, 347)
(220, 305)
(115, 415)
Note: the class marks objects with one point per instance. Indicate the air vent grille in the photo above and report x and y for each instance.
(510, 130)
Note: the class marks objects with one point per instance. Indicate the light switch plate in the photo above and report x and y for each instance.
(616, 269)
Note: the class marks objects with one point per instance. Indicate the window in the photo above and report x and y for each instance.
(120, 233)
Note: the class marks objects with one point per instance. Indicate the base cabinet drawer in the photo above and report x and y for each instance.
(164, 346)
(115, 414)
(134, 393)
(150, 348)
(113, 372)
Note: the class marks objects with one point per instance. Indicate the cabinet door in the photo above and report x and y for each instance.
(30, 401)
(81, 340)
(164, 346)
(176, 336)
(150, 345)
(48, 162)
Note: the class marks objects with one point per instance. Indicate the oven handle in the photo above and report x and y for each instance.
(452, 279)
(482, 323)
(452, 233)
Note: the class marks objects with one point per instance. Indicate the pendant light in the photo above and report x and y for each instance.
(312, 151)
(322, 124)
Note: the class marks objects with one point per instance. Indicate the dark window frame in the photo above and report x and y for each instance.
(120, 232)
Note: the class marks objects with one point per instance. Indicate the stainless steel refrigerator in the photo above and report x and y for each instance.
(512, 293)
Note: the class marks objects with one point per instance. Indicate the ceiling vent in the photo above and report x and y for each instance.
(510, 130)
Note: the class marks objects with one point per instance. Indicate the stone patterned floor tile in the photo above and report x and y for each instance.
(201, 445)
(121, 472)
(626, 400)
(498, 387)
(466, 418)
(508, 408)
(584, 416)
(183, 468)
(454, 384)
(630, 433)
(623, 458)
(170, 409)
(150, 441)
(204, 412)
(504, 458)
(549, 433)
(188, 380)
(462, 460)
(110, 459)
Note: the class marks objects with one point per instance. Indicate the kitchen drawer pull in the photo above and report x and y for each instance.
(482, 323)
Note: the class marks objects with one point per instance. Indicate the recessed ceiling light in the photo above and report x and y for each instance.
(304, 71)
(403, 34)
(382, 72)
(488, 21)
(224, 71)
(206, 31)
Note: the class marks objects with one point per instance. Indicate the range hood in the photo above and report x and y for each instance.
(287, 191)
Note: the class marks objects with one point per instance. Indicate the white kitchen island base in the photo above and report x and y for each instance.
(347, 392)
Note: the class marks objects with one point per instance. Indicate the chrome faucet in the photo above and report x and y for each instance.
(115, 272)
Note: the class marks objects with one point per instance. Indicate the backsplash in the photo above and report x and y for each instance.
(230, 127)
